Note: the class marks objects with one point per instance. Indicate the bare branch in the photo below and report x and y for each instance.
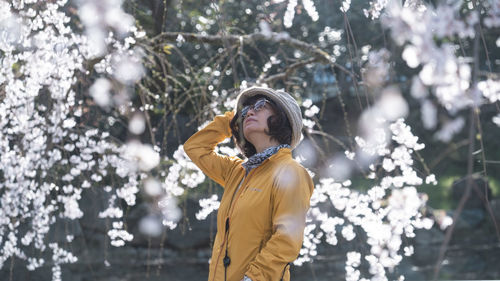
(289, 71)
(311, 49)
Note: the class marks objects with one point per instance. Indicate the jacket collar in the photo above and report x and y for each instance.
(258, 159)
(281, 154)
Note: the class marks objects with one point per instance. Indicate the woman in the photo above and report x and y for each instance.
(261, 217)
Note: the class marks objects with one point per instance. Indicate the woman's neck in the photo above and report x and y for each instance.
(263, 145)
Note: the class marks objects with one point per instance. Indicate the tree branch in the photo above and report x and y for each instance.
(311, 49)
(289, 70)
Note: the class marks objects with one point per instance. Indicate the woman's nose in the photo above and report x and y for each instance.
(251, 111)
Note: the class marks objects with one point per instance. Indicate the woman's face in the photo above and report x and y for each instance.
(255, 119)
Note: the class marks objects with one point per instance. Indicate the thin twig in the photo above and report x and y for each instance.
(451, 148)
(461, 204)
(146, 114)
(336, 140)
(470, 160)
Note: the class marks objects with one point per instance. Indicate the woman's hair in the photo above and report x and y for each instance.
(278, 124)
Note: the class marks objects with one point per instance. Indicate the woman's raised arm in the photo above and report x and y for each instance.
(200, 147)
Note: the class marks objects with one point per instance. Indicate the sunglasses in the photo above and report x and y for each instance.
(258, 106)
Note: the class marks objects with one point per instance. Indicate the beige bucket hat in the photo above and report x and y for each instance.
(284, 100)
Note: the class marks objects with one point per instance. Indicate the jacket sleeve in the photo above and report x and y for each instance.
(200, 148)
(292, 191)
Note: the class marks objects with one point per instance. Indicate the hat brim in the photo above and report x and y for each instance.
(251, 92)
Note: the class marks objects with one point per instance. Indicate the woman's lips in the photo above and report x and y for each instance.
(249, 119)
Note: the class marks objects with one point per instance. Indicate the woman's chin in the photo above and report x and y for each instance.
(249, 128)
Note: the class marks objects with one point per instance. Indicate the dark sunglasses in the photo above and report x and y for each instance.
(257, 106)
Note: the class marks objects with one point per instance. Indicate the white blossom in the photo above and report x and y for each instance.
(100, 92)
(346, 5)
(449, 129)
(144, 155)
(493, 11)
(375, 9)
(55, 156)
(137, 124)
(171, 213)
(348, 233)
(496, 120)
(290, 13)
(448, 75)
(265, 28)
(429, 114)
(208, 205)
(312, 111)
(431, 179)
(490, 89)
(389, 210)
(311, 9)
(118, 235)
(151, 226)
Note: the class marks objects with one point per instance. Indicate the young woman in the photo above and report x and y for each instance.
(261, 218)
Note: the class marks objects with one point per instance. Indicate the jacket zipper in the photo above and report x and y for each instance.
(231, 207)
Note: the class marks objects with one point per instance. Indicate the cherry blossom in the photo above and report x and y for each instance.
(45, 151)
(388, 211)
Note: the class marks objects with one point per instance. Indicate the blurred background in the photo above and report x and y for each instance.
(401, 114)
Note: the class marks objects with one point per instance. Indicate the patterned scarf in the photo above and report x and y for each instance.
(255, 160)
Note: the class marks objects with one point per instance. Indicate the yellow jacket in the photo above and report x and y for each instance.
(266, 217)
